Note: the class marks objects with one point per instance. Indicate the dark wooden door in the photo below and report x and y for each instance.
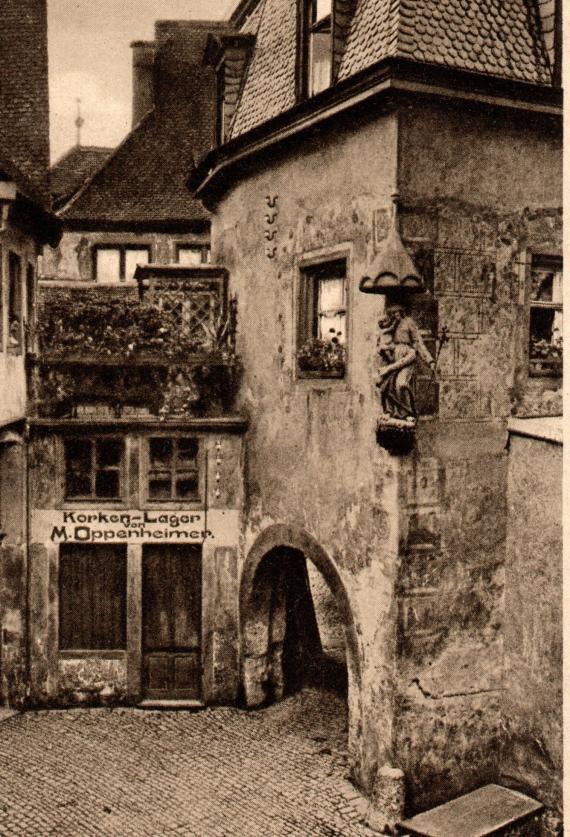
(172, 615)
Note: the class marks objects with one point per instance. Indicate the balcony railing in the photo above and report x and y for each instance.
(168, 350)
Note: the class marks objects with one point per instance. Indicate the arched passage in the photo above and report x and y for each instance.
(279, 634)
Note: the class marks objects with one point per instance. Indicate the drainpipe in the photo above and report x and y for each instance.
(28, 609)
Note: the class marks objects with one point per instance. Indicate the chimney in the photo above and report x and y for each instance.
(143, 78)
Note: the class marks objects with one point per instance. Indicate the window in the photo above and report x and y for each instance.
(15, 323)
(92, 597)
(545, 332)
(93, 468)
(193, 254)
(316, 46)
(322, 319)
(118, 263)
(173, 472)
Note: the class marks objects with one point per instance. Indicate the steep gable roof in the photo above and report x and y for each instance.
(143, 180)
(498, 38)
(70, 172)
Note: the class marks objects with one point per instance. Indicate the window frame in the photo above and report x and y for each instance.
(122, 250)
(93, 439)
(306, 29)
(310, 271)
(204, 249)
(555, 263)
(174, 501)
(15, 282)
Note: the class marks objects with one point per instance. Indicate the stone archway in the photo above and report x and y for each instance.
(274, 567)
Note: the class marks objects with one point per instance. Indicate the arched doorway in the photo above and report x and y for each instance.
(291, 599)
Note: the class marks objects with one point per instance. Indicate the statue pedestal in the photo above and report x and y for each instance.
(397, 436)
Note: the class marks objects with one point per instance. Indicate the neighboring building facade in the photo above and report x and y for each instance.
(130, 206)
(26, 224)
(339, 105)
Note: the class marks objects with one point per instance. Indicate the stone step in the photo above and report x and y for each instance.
(489, 810)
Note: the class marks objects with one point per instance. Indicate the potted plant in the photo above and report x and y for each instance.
(325, 357)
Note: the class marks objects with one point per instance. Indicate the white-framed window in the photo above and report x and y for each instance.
(316, 46)
(193, 254)
(114, 263)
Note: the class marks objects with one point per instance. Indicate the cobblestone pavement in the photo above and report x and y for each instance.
(212, 773)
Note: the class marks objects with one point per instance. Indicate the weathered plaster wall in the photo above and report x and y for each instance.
(64, 678)
(73, 257)
(531, 757)
(311, 459)
(418, 541)
(480, 209)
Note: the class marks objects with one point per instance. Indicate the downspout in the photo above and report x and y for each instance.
(28, 534)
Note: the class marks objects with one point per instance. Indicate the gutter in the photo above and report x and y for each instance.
(389, 76)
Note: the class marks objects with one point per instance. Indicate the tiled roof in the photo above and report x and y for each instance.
(502, 38)
(495, 37)
(71, 171)
(24, 116)
(144, 178)
(269, 86)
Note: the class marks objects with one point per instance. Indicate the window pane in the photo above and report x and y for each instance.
(92, 613)
(187, 451)
(320, 10)
(190, 255)
(319, 62)
(160, 487)
(160, 452)
(108, 266)
(331, 295)
(109, 453)
(187, 486)
(132, 259)
(78, 468)
(107, 484)
(332, 327)
(545, 349)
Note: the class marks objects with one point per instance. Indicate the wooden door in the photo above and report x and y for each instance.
(172, 615)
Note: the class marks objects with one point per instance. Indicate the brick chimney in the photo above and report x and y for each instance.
(143, 78)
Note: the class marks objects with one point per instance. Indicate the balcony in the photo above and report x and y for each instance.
(165, 349)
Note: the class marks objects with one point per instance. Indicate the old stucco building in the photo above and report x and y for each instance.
(328, 110)
(212, 518)
(26, 224)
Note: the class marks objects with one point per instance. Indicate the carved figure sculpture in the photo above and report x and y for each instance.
(399, 345)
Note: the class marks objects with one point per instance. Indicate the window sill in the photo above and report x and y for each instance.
(102, 654)
(315, 375)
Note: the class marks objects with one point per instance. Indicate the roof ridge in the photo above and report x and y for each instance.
(98, 172)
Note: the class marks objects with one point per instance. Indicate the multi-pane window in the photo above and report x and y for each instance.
(316, 46)
(322, 318)
(545, 335)
(117, 263)
(15, 320)
(173, 468)
(92, 597)
(193, 254)
(93, 468)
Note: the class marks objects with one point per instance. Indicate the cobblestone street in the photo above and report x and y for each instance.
(217, 772)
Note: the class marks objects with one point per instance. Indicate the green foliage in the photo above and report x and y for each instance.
(326, 356)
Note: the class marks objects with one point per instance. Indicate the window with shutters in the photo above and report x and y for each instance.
(92, 597)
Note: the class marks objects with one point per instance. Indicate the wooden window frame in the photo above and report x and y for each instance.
(310, 273)
(15, 282)
(173, 470)
(94, 469)
(71, 611)
(305, 30)
(555, 263)
(122, 250)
